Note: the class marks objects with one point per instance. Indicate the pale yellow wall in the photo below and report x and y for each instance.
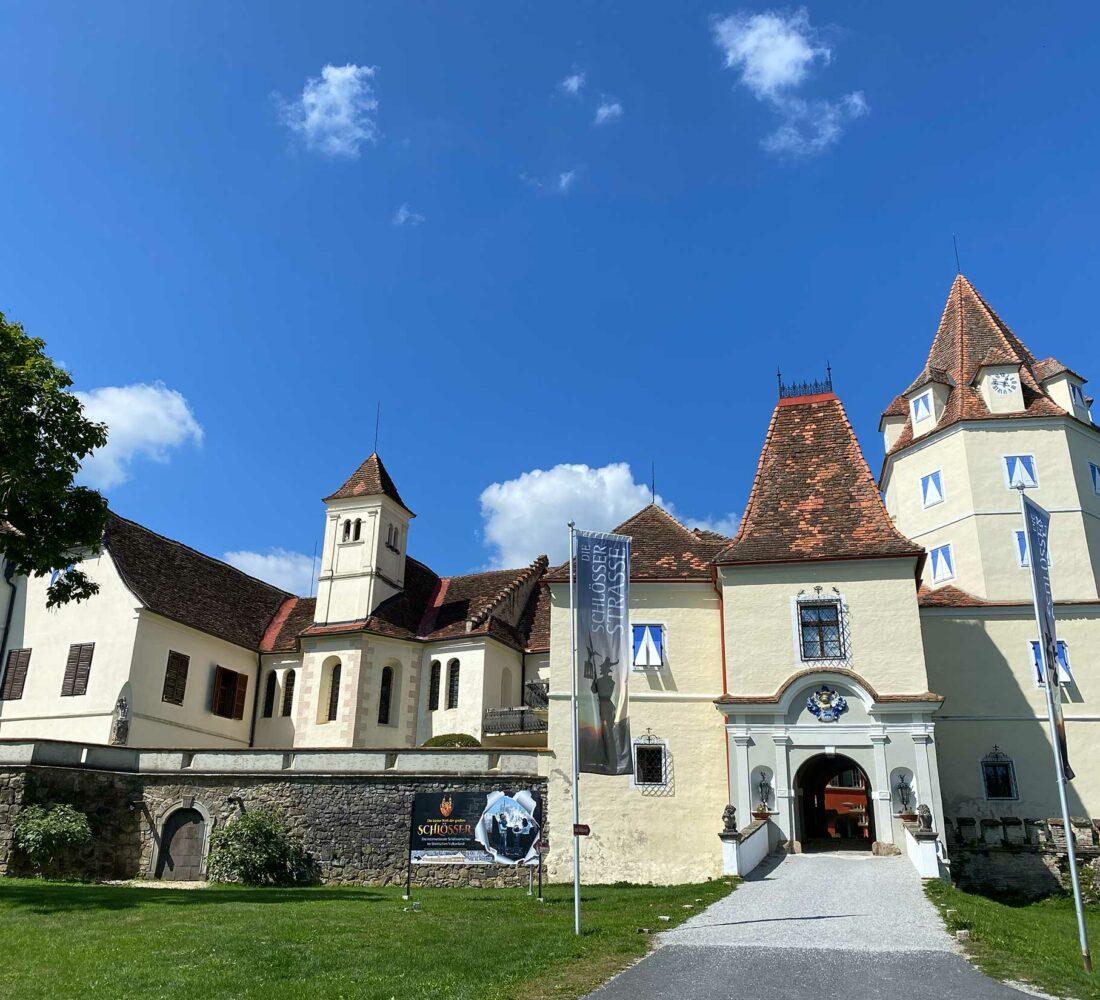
(155, 722)
(762, 648)
(109, 620)
(278, 731)
(648, 835)
(538, 666)
(499, 658)
(980, 512)
(979, 660)
(467, 717)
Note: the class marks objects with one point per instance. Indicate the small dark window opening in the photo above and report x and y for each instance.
(77, 668)
(269, 695)
(819, 625)
(288, 694)
(334, 693)
(230, 688)
(649, 764)
(358, 529)
(999, 776)
(15, 676)
(175, 678)
(452, 684)
(384, 696)
(347, 530)
(433, 686)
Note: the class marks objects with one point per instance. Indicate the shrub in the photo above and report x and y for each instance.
(257, 849)
(44, 836)
(452, 740)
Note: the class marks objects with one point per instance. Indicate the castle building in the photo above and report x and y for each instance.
(861, 650)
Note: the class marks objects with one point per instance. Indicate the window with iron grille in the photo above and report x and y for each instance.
(230, 688)
(820, 629)
(288, 694)
(175, 678)
(649, 764)
(433, 686)
(77, 668)
(334, 693)
(999, 775)
(15, 674)
(452, 684)
(269, 695)
(384, 697)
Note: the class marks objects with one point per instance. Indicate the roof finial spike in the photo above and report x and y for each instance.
(652, 482)
(955, 244)
(829, 374)
(377, 421)
(779, 378)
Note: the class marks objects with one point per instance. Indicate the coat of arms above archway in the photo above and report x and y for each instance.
(826, 704)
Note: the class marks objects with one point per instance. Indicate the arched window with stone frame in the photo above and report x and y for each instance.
(333, 693)
(385, 696)
(288, 694)
(452, 684)
(347, 530)
(270, 690)
(357, 530)
(435, 675)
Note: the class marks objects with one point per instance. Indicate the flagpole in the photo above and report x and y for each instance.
(576, 739)
(1056, 746)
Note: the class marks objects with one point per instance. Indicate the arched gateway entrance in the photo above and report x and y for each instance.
(834, 808)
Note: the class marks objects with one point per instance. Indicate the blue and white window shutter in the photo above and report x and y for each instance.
(1065, 675)
(931, 488)
(1021, 549)
(649, 645)
(1020, 470)
(922, 407)
(1094, 470)
(943, 563)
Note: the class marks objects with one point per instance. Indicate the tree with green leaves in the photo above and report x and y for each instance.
(46, 521)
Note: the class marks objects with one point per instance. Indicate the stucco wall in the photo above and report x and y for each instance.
(109, 619)
(762, 647)
(467, 716)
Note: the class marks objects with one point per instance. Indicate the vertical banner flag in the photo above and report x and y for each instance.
(603, 648)
(1037, 522)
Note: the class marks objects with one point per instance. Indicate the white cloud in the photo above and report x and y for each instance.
(561, 183)
(572, 84)
(291, 571)
(404, 216)
(775, 53)
(565, 180)
(334, 115)
(608, 111)
(528, 515)
(143, 421)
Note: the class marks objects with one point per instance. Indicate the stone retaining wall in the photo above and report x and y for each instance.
(355, 825)
(1018, 856)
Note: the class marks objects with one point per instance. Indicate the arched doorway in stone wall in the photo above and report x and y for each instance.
(834, 808)
(182, 846)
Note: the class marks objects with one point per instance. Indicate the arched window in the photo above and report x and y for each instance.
(334, 693)
(347, 530)
(452, 684)
(358, 528)
(505, 688)
(384, 696)
(288, 694)
(269, 695)
(433, 686)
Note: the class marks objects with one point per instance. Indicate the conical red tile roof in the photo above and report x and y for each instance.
(369, 480)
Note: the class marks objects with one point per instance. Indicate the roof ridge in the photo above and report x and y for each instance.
(539, 563)
(660, 510)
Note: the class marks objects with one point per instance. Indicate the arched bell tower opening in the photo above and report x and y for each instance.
(834, 805)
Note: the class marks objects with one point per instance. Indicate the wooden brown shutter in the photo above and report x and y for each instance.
(175, 678)
(15, 676)
(239, 695)
(77, 667)
(219, 683)
(69, 681)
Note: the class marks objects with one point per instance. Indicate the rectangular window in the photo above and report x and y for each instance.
(77, 668)
(1020, 471)
(1021, 549)
(819, 627)
(999, 777)
(931, 489)
(15, 674)
(650, 761)
(1065, 674)
(649, 645)
(922, 407)
(1094, 471)
(229, 693)
(1078, 396)
(175, 678)
(943, 563)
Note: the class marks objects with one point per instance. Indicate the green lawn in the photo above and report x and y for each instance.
(1028, 942)
(63, 940)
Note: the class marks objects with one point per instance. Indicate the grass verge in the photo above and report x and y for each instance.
(94, 942)
(1028, 942)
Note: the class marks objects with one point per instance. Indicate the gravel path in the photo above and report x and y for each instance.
(805, 926)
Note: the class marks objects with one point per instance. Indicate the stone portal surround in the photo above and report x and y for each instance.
(350, 813)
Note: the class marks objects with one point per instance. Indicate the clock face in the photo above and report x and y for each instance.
(1004, 384)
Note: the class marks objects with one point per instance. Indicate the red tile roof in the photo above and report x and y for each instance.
(814, 496)
(953, 597)
(971, 336)
(369, 480)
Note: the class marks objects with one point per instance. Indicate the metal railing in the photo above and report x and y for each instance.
(536, 694)
(512, 720)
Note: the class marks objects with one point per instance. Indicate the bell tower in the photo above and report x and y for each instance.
(366, 534)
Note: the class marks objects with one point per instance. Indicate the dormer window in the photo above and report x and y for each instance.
(931, 489)
(1077, 394)
(1094, 471)
(1020, 471)
(943, 563)
(922, 407)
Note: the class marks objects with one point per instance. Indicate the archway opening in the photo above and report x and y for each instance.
(181, 846)
(835, 811)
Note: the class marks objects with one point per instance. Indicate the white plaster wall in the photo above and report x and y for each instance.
(467, 717)
(538, 666)
(499, 658)
(762, 648)
(155, 722)
(278, 731)
(109, 620)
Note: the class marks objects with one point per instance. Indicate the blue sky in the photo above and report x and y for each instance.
(231, 276)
